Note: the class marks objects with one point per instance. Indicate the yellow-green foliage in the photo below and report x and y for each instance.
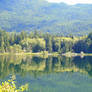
(83, 37)
(9, 86)
(74, 39)
(15, 49)
(33, 43)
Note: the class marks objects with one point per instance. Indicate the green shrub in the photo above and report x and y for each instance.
(9, 86)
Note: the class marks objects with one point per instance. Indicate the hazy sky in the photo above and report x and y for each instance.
(71, 2)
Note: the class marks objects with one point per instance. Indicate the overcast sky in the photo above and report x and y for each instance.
(71, 2)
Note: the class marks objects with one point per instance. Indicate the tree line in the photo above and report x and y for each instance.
(33, 42)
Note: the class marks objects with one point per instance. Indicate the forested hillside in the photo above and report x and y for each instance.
(38, 42)
(30, 15)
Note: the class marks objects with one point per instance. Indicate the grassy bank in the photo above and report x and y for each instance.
(68, 54)
(32, 54)
(87, 54)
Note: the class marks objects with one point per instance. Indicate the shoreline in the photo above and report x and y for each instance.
(50, 54)
(70, 54)
(33, 54)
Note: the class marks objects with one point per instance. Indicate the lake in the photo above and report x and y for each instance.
(51, 74)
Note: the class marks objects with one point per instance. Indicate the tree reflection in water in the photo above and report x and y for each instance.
(38, 66)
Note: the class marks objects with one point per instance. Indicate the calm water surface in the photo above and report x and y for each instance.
(52, 74)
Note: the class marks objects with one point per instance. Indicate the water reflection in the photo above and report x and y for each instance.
(38, 66)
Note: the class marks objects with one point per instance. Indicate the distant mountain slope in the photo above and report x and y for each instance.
(47, 17)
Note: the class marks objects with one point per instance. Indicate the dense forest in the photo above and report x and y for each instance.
(36, 42)
(40, 15)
